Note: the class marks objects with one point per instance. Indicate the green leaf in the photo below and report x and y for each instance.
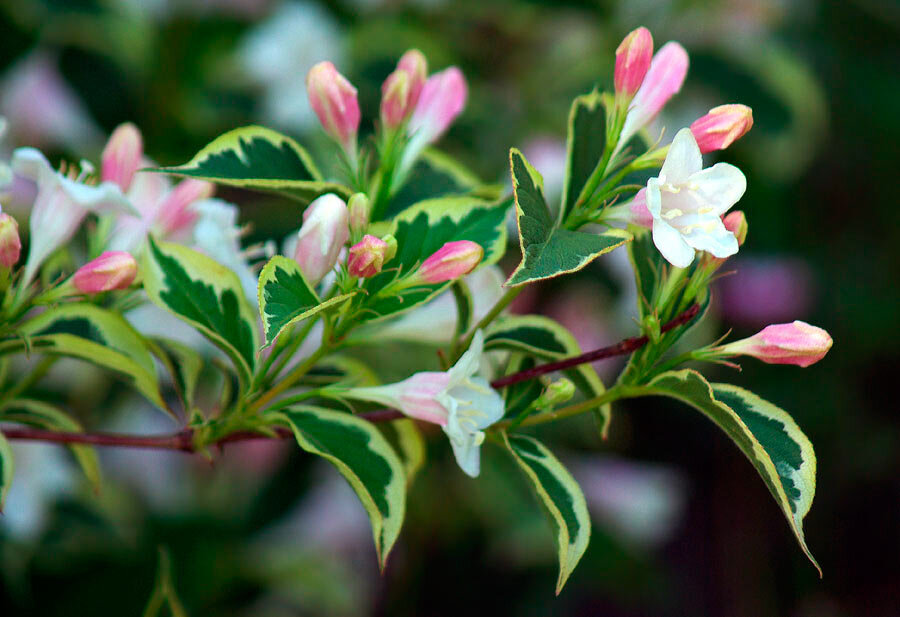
(45, 415)
(422, 230)
(409, 444)
(364, 457)
(766, 434)
(99, 336)
(286, 298)
(561, 497)
(585, 145)
(185, 366)
(546, 339)
(208, 296)
(6, 469)
(255, 157)
(519, 396)
(437, 175)
(548, 250)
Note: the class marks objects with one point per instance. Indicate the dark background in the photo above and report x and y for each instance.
(821, 163)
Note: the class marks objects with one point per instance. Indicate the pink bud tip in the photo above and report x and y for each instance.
(442, 100)
(451, 261)
(736, 223)
(414, 64)
(795, 343)
(122, 155)
(112, 270)
(367, 257)
(333, 98)
(633, 58)
(395, 99)
(10, 243)
(722, 126)
(639, 214)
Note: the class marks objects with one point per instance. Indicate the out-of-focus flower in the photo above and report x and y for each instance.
(111, 270)
(462, 403)
(324, 233)
(664, 79)
(796, 343)
(278, 53)
(722, 126)
(633, 57)
(442, 99)
(43, 111)
(367, 257)
(765, 290)
(452, 261)
(687, 201)
(122, 155)
(333, 98)
(62, 203)
(42, 475)
(10, 243)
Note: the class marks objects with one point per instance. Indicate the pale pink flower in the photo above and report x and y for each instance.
(722, 126)
(633, 57)
(664, 79)
(796, 343)
(324, 233)
(452, 261)
(111, 270)
(333, 98)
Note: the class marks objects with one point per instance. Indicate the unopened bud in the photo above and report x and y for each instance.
(122, 155)
(633, 57)
(722, 126)
(367, 257)
(391, 250)
(360, 209)
(112, 270)
(10, 243)
(557, 393)
(333, 98)
(415, 65)
(324, 233)
(736, 223)
(796, 343)
(395, 99)
(442, 100)
(452, 261)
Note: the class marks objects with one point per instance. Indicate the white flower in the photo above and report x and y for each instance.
(61, 204)
(687, 203)
(462, 403)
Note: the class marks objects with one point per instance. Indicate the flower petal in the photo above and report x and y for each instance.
(683, 159)
(719, 187)
(672, 246)
(719, 241)
(653, 197)
(467, 453)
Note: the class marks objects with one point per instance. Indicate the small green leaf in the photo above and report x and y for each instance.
(548, 250)
(6, 469)
(546, 339)
(45, 415)
(766, 434)
(286, 298)
(561, 497)
(585, 145)
(422, 230)
(208, 296)
(99, 336)
(364, 457)
(185, 366)
(255, 157)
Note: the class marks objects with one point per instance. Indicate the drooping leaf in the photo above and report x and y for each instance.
(585, 145)
(364, 457)
(561, 497)
(44, 415)
(766, 434)
(208, 296)
(185, 366)
(255, 157)
(99, 336)
(547, 249)
(544, 338)
(6, 469)
(422, 230)
(286, 298)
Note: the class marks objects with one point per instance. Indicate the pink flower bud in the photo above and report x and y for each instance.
(10, 244)
(791, 343)
(414, 64)
(112, 270)
(736, 223)
(639, 214)
(324, 233)
(722, 126)
(633, 58)
(664, 79)
(451, 261)
(360, 209)
(122, 155)
(395, 99)
(443, 98)
(367, 257)
(333, 98)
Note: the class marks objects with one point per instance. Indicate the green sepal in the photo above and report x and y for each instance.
(766, 434)
(7, 467)
(99, 336)
(547, 249)
(255, 157)
(561, 497)
(208, 296)
(286, 298)
(585, 145)
(364, 457)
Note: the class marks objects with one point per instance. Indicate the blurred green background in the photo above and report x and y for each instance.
(683, 525)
